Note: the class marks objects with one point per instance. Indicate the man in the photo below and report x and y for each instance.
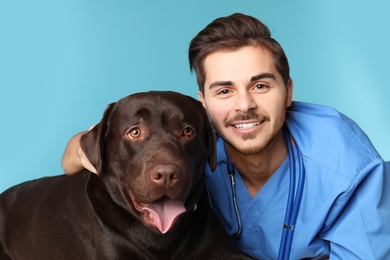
(267, 143)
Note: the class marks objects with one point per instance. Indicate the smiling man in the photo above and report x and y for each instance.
(247, 99)
(294, 180)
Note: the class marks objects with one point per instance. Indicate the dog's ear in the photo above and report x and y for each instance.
(212, 147)
(92, 142)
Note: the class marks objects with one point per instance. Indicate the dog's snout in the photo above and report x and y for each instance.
(165, 175)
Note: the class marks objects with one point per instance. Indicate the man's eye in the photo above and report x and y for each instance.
(224, 91)
(134, 133)
(261, 87)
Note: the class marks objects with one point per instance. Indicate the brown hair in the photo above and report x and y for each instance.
(231, 33)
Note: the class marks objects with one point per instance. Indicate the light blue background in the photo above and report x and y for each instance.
(62, 62)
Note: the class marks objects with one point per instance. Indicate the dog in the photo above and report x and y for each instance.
(147, 200)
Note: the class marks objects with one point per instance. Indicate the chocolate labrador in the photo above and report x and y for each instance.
(147, 200)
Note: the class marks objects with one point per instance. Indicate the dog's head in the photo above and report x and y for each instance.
(150, 150)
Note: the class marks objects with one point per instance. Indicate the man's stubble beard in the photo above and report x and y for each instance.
(251, 150)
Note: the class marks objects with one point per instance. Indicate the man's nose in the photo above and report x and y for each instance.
(244, 102)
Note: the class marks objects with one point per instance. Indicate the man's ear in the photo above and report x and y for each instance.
(290, 88)
(201, 98)
(92, 142)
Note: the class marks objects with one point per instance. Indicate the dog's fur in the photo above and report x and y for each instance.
(149, 149)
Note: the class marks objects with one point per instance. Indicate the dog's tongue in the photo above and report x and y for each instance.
(163, 214)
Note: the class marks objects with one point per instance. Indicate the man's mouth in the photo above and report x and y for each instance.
(246, 125)
(247, 121)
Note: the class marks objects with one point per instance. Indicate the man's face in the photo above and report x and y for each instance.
(245, 97)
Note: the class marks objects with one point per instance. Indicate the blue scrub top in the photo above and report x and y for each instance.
(345, 208)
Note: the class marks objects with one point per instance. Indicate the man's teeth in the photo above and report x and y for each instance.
(245, 126)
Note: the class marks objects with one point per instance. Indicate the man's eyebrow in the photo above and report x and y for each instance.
(220, 83)
(262, 76)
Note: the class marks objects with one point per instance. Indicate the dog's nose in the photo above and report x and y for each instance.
(165, 175)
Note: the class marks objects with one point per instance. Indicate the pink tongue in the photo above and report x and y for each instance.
(163, 214)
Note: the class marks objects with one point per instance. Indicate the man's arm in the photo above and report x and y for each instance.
(362, 228)
(74, 159)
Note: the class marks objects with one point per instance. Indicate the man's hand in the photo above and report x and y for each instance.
(74, 159)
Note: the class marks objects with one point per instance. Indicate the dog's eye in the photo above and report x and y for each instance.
(134, 133)
(188, 131)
